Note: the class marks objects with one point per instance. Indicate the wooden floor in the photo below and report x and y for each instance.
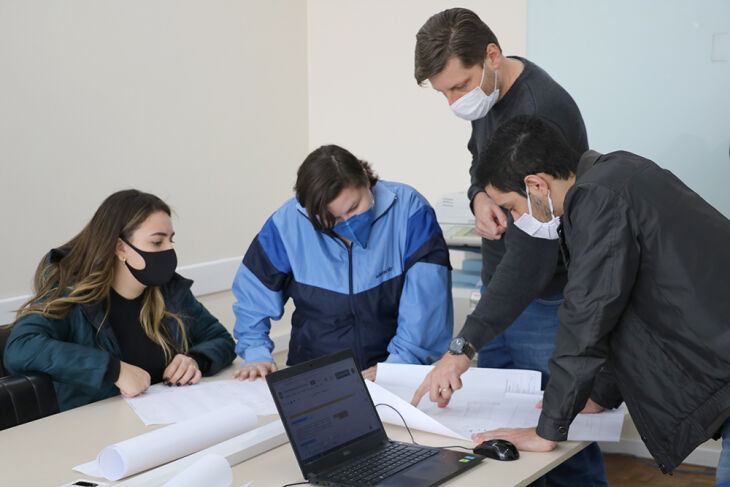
(628, 471)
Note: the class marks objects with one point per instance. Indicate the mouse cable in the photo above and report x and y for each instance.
(296, 483)
(409, 431)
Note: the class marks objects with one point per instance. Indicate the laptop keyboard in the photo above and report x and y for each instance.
(380, 465)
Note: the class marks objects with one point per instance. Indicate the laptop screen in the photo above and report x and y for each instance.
(325, 408)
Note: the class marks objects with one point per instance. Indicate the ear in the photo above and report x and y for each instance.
(493, 56)
(537, 184)
(121, 250)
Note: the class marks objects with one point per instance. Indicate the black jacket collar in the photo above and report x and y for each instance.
(587, 160)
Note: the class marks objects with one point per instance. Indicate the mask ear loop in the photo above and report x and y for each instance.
(529, 203)
(550, 202)
(484, 70)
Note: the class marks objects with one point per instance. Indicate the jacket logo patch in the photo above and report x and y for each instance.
(384, 271)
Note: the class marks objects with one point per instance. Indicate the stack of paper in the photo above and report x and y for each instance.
(164, 405)
(489, 399)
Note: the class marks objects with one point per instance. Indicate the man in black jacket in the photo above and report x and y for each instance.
(646, 316)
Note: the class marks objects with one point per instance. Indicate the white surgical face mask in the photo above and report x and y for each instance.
(534, 227)
(475, 104)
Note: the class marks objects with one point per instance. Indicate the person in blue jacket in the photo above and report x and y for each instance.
(365, 263)
(110, 314)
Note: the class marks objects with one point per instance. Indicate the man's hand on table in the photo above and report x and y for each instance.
(525, 439)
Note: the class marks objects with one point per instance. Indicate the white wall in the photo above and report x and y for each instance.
(201, 103)
(363, 96)
(650, 77)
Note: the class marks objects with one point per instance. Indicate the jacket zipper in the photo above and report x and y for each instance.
(355, 328)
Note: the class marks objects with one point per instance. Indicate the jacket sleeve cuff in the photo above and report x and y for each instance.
(473, 190)
(552, 429)
(202, 361)
(257, 354)
(112, 370)
(475, 333)
(394, 358)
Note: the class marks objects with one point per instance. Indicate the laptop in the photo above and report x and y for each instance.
(337, 436)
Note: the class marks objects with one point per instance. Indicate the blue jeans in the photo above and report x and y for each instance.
(723, 466)
(528, 344)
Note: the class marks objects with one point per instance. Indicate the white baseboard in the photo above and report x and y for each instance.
(212, 277)
(703, 456)
(209, 277)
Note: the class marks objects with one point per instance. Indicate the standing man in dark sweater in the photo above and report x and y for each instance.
(516, 317)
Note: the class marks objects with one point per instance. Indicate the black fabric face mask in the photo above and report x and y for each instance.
(159, 266)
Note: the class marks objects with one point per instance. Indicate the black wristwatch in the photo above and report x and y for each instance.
(460, 346)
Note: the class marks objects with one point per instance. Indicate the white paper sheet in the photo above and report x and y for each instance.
(519, 411)
(161, 404)
(476, 382)
(413, 417)
(169, 443)
(210, 470)
(489, 399)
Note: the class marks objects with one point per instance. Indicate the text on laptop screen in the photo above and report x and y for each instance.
(326, 408)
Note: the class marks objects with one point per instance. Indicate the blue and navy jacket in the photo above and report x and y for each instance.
(388, 302)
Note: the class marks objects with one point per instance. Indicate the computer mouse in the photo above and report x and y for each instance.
(497, 449)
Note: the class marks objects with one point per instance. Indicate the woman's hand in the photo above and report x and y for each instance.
(181, 371)
(132, 380)
(254, 369)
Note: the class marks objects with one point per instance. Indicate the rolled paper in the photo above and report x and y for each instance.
(163, 445)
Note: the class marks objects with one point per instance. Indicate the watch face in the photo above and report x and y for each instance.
(457, 345)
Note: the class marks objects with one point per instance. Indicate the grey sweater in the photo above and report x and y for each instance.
(518, 268)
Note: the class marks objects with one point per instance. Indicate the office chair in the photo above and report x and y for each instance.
(4, 334)
(23, 397)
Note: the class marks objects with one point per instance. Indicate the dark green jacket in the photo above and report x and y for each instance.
(76, 351)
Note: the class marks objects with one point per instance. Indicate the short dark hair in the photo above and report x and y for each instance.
(525, 145)
(454, 32)
(322, 177)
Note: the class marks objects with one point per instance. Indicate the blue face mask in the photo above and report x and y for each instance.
(356, 229)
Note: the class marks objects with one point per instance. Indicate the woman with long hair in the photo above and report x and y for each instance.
(364, 262)
(110, 314)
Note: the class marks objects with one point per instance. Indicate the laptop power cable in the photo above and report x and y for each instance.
(411, 434)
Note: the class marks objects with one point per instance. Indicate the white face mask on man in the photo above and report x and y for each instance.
(534, 227)
(475, 104)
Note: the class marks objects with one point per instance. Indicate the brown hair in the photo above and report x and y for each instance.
(454, 32)
(322, 177)
(85, 272)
